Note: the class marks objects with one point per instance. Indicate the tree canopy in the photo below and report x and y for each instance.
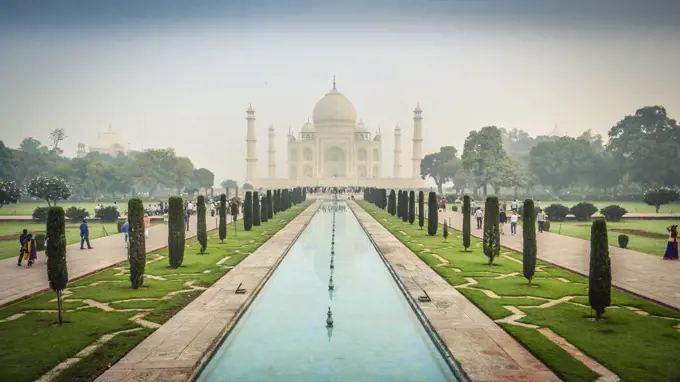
(442, 166)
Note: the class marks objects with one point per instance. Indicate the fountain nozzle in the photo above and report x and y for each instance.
(329, 318)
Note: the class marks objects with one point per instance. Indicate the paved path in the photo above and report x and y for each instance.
(645, 275)
(483, 350)
(175, 351)
(18, 282)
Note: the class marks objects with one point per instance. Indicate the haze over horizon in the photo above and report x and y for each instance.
(181, 74)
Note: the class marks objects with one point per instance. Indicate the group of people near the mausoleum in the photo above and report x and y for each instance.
(503, 218)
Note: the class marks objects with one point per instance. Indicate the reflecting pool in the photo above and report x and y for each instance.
(376, 335)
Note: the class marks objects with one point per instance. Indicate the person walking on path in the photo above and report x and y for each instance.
(514, 218)
(540, 218)
(22, 243)
(186, 219)
(472, 207)
(503, 218)
(147, 225)
(31, 253)
(125, 229)
(672, 247)
(84, 235)
(478, 215)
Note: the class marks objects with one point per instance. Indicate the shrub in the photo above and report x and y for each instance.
(51, 189)
(176, 229)
(57, 271)
(454, 208)
(270, 207)
(392, 203)
(583, 211)
(248, 211)
(40, 242)
(137, 242)
(660, 196)
(529, 239)
(492, 235)
(421, 209)
(201, 228)
(556, 212)
(432, 218)
(76, 214)
(600, 275)
(466, 222)
(222, 229)
(9, 193)
(108, 214)
(613, 213)
(623, 241)
(257, 214)
(546, 226)
(411, 207)
(40, 213)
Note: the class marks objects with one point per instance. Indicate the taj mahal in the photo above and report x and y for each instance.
(334, 150)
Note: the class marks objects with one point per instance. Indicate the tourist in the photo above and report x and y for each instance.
(186, 219)
(147, 225)
(115, 206)
(538, 204)
(84, 235)
(478, 215)
(31, 252)
(503, 218)
(505, 206)
(125, 229)
(672, 247)
(540, 218)
(472, 207)
(22, 244)
(514, 206)
(212, 209)
(514, 218)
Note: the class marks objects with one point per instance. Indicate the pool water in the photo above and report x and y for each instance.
(283, 336)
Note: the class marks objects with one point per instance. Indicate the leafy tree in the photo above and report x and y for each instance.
(559, 163)
(441, 166)
(647, 143)
(8, 163)
(248, 186)
(660, 196)
(600, 275)
(248, 211)
(9, 193)
(32, 146)
(411, 207)
(529, 249)
(492, 236)
(137, 242)
(256, 209)
(466, 222)
(421, 209)
(432, 219)
(270, 206)
(176, 231)
(203, 179)
(223, 217)
(50, 189)
(155, 167)
(613, 213)
(57, 271)
(56, 137)
(229, 183)
(482, 153)
(181, 174)
(201, 228)
(392, 203)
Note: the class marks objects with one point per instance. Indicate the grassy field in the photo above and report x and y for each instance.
(647, 236)
(31, 347)
(636, 207)
(27, 208)
(637, 340)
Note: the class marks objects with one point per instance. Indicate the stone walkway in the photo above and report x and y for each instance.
(484, 351)
(642, 274)
(20, 282)
(175, 351)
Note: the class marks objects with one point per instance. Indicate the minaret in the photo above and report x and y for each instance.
(417, 141)
(397, 152)
(272, 153)
(251, 147)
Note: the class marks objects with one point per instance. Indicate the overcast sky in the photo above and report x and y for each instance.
(181, 73)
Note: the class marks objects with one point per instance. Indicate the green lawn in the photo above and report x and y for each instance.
(647, 236)
(637, 207)
(27, 208)
(31, 347)
(636, 347)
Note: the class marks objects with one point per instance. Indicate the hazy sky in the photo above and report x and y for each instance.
(181, 73)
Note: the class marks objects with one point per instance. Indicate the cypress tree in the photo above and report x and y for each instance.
(304, 194)
(466, 222)
(223, 217)
(411, 207)
(529, 248)
(600, 276)
(57, 271)
(201, 228)
(248, 211)
(270, 206)
(399, 204)
(432, 218)
(421, 209)
(233, 208)
(176, 229)
(404, 206)
(446, 230)
(492, 235)
(383, 200)
(276, 201)
(392, 203)
(256, 209)
(137, 242)
(263, 209)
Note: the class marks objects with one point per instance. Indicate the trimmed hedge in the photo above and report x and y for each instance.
(411, 207)
(223, 217)
(75, 214)
(201, 228)
(248, 211)
(613, 213)
(57, 271)
(270, 206)
(556, 212)
(40, 213)
(466, 222)
(392, 203)
(583, 211)
(257, 214)
(623, 241)
(108, 214)
(137, 242)
(600, 275)
(176, 231)
(432, 214)
(529, 249)
(421, 209)
(492, 236)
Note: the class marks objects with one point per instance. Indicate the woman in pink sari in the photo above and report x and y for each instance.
(672, 247)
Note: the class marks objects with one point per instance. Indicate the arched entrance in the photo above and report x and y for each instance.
(334, 163)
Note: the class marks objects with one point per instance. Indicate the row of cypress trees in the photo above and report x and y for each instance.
(259, 208)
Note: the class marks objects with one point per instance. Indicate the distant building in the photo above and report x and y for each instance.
(110, 143)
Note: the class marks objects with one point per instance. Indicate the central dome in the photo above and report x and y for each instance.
(334, 108)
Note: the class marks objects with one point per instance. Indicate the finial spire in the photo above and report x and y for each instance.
(334, 81)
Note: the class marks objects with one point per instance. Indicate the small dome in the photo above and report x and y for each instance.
(361, 128)
(307, 127)
(334, 107)
(108, 143)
